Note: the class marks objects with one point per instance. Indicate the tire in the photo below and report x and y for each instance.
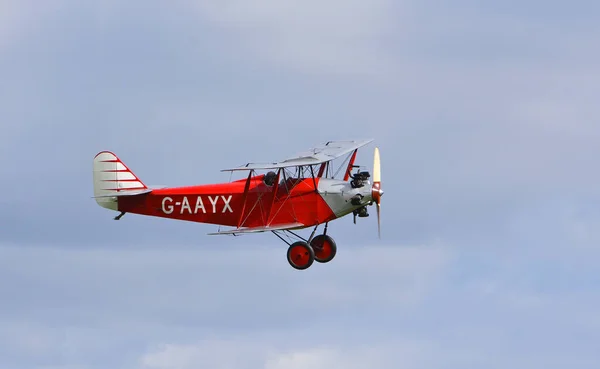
(300, 255)
(324, 248)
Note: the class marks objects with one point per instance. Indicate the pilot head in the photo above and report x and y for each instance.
(270, 178)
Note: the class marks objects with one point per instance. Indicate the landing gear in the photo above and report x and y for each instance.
(325, 248)
(300, 255)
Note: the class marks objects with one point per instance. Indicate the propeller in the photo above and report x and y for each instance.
(376, 191)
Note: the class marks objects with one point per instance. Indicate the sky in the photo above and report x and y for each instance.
(486, 116)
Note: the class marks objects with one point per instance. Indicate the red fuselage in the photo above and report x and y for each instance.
(240, 204)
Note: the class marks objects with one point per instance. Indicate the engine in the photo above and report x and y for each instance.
(360, 179)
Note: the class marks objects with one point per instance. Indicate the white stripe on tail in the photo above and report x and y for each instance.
(112, 179)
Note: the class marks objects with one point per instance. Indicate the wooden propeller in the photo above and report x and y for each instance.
(376, 191)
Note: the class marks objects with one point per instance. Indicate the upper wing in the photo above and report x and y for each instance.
(261, 229)
(317, 155)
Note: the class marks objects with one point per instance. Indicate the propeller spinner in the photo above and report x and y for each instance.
(376, 191)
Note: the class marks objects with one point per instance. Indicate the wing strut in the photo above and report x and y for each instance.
(246, 188)
(275, 189)
(312, 173)
(350, 165)
(322, 169)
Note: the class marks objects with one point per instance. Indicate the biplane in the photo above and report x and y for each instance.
(280, 197)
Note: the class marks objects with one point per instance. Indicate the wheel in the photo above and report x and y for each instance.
(300, 255)
(325, 248)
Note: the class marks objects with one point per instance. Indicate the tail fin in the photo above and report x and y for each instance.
(113, 179)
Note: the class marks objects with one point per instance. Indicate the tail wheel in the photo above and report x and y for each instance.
(300, 255)
(325, 248)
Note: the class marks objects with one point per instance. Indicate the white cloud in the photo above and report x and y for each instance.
(197, 306)
(211, 354)
(168, 307)
(247, 354)
(400, 355)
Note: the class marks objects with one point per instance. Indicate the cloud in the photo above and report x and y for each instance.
(254, 355)
(485, 118)
(162, 307)
(181, 306)
(179, 276)
(334, 37)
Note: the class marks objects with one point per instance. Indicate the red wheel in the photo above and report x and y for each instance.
(325, 248)
(300, 255)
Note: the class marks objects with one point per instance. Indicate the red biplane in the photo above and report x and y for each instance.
(293, 194)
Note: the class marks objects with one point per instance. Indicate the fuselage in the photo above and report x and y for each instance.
(252, 203)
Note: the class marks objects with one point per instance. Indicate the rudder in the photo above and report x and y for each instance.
(112, 178)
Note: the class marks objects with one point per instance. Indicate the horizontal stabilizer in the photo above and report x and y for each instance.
(281, 227)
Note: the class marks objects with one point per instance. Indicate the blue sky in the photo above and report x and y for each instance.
(487, 120)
